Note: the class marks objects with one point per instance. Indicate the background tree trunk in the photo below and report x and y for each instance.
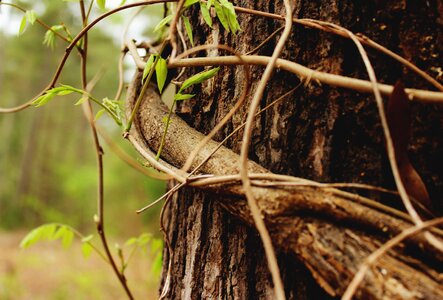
(321, 133)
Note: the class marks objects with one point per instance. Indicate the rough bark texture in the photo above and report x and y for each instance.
(321, 133)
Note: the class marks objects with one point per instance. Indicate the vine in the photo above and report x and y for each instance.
(256, 182)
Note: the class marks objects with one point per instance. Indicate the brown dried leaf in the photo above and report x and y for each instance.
(399, 120)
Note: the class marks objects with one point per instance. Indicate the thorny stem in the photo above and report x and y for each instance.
(87, 108)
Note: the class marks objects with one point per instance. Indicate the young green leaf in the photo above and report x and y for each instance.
(221, 15)
(87, 238)
(37, 234)
(131, 241)
(81, 100)
(229, 12)
(101, 4)
(122, 3)
(86, 250)
(157, 265)
(49, 39)
(60, 232)
(188, 28)
(156, 245)
(163, 22)
(180, 96)
(190, 2)
(148, 67)
(206, 15)
(99, 114)
(48, 231)
(161, 69)
(31, 16)
(22, 26)
(42, 100)
(198, 78)
(67, 238)
(144, 239)
(30, 239)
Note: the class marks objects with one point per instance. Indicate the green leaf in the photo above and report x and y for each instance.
(37, 234)
(67, 238)
(179, 96)
(49, 39)
(122, 3)
(198, 78)
(101, 4)
(42, 100)
(188, 28)
(48, 231)
(161, 69)
(131, 241)
(99, 114)
(60, 233)
(87, 238)
(190, 2)
(86, 250)
(30, 239)
(157, 265)
(221, 15)
(148, 67)
(206, 15)
(229, 12)
(163, 22)
(31, 16)
(209, 4)
(81, 100)
(144, 239)
(22, 26)
(156, 245)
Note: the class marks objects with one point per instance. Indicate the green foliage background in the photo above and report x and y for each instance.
(47, 159)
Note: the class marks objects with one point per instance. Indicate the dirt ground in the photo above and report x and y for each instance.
(48, 271)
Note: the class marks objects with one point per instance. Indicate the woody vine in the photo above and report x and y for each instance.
(197, 159)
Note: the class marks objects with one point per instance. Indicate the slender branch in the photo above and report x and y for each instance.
(304, 72)
(325, 26)
(38, 20)
(279, 289)
(87, 108)
(71, 47)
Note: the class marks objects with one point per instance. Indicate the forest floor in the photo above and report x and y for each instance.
(48, 271)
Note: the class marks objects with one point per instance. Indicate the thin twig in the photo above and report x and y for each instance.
(87, 108)
(304, 72)
(363, 39)
(74, 44)
(247, 135)
(232, 111)
(389, 143)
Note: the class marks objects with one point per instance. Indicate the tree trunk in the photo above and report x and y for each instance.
(321, 133)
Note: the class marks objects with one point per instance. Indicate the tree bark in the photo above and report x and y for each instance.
(320, 133)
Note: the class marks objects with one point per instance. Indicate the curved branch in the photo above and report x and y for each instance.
(307, 221)
(304, 72)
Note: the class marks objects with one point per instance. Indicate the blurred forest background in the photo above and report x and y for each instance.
(47, 160)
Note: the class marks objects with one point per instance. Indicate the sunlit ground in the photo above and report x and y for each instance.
(48, 271)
